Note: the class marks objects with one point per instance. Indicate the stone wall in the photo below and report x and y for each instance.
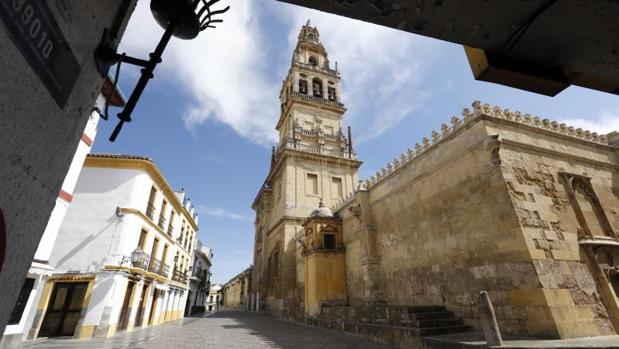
(482, 206)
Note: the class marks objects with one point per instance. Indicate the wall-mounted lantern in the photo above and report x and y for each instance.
(184, 19)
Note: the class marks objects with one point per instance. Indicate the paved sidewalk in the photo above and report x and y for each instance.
(222, 330)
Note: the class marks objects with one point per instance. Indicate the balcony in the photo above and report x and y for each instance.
(150, 211)
(140, 259)
(317, 99)
(158, 267)
(316, 149)
(162, 222)
(179, 276)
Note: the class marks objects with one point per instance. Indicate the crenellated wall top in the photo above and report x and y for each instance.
(469, 115)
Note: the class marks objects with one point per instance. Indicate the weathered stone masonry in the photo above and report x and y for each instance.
(486, 206)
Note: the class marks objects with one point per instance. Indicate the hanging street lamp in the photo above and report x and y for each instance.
(184, 19)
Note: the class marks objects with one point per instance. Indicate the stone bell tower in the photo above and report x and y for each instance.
(314, 160)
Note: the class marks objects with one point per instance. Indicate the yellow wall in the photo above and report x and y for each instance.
(325, 280)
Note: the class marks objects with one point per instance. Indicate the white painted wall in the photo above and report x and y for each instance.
(60, 209)
(91, 233)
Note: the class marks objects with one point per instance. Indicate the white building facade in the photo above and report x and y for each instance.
(20, 321)
(200, 280)
(122, 254)
(215, 298)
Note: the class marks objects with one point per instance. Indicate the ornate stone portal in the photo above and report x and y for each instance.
(325, 272)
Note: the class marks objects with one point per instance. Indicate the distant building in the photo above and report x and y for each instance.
(236, 291)
(215, 298)
(122, 254)
(200, 279)
(20, 321)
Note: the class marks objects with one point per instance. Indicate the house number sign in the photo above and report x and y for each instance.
(32, 26)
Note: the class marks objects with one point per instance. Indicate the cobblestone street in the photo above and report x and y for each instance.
(226, 329)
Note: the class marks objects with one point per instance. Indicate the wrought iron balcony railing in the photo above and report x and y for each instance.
(162, 222)
(179, 276)
(158, 267)
(316, 149)
(317, 99)
(150, 211)
(141, 260)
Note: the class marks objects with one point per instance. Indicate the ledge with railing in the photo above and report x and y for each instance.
(326, 101)
(150, 211)
(162, 222)
(158, 267)
(311, 133)
(140, 259)
(179, 276)
(317, 150)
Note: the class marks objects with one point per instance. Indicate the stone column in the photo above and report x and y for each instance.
(370, 260)
(257, 301)
(488, 320)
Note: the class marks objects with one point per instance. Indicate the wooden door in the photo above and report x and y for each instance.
(123, 319)
(153, 307)
(64, 309)
(142, 305)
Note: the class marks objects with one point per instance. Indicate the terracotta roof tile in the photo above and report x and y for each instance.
(120, 156)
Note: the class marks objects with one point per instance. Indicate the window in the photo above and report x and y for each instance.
(171, 225)
(317, 87)
(22, 299)
(331, 93)
(313, 61)
(614, 281)
(303, 86)
(329, 241)
(329, 130)
(150, 209)
(162, 220)
(311, 184)
(336, 187)
(142, 241)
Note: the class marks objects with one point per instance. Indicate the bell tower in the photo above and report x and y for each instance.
(311, 110)
(314, 160)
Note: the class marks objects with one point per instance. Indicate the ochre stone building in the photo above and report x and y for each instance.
(236, 291)
(314, 160)
(499, 201)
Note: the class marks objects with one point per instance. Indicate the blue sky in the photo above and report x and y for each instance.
(208, 117)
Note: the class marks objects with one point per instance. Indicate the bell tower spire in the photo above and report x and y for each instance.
(311, 110)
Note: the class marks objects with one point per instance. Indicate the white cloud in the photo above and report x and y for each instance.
(229, 71)
(605, 123)
(220, 212)
(222, 69)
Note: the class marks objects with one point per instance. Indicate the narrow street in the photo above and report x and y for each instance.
(225, 329)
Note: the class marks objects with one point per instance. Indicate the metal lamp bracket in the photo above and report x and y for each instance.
(183, 19)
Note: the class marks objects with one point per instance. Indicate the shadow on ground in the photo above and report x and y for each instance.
(290, 335)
